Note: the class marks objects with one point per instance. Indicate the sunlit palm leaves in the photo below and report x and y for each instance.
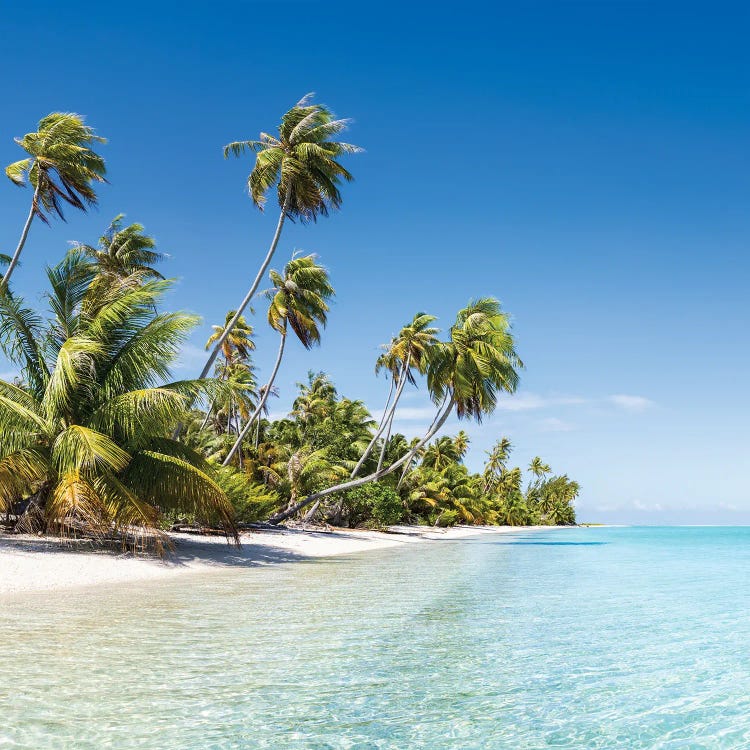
(85, 437)
(61, 167)
(301, 162)
(124, 252)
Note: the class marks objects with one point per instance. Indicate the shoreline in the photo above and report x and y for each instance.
(29, 564)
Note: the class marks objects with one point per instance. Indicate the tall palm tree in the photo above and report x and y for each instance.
(408, 351)
(538, 468)
(299, 300)
(85, 443)
(61, 167)
(124, 251)
(235, 349)
(302, 163)
(464, 375)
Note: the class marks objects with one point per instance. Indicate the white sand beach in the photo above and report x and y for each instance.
(30, 563)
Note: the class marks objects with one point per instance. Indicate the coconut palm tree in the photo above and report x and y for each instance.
(238, 343)
(441, 453)
(461, 445)
(124, 251)
(408, 351)
(538, 468)
(85, 443)
(61, 167)
(302, 164)
(496, 462)
(464, 375)
(299, 300)
(236, 352)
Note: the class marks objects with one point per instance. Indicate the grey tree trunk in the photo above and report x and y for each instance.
(437, 423)
(387, 437)
(251, 293)
(262, 401)
(386, 417)
(22, 241)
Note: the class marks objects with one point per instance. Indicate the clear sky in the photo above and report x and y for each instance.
(587, 163)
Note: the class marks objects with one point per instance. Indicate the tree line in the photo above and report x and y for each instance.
(98, 439)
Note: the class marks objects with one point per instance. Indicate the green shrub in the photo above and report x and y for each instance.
(374, 505)
(251, 501)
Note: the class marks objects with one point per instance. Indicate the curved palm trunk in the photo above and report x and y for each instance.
(437, 423)
(22, 241)
(386, 417)
(261, 403)
(251, 293)
(387, 437)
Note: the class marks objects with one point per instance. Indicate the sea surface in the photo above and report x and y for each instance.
(571, 638)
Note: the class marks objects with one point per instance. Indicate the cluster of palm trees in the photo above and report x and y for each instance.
(97, 438)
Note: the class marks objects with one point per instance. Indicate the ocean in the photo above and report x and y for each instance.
(578, 638)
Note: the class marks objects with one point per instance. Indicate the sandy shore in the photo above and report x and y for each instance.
(37, 564)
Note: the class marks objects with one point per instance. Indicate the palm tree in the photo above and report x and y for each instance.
(408, 351)
(538, 468)
(316, 399)
(441, 453)
(124, 251)
(235, 349)
(302, 163)
(85, 443)
(237, 343)
(496, 461)
(61, 167)
(299, 300)
(461, 445)
(464, 375)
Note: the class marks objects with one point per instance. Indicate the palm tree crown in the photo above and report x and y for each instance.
(301, 161)
(123, 251)
(238, 343)
(413, 343)
(479, 361)
(61, 165)
(299, 298)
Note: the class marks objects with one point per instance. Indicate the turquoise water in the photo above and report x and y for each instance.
(572, 638)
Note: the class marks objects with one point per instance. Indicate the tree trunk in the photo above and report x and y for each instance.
(261, 403)
(437, 423)
(386, 417)
(310, 515)
(251, 293)
(24, 234)
(385, 442)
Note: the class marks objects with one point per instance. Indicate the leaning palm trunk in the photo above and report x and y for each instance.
(387, 417)
(258, 409)
(251, 293)
(387, 437)
(22, 241)
(437, 423)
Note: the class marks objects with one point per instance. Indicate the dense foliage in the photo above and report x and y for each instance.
(97, 440)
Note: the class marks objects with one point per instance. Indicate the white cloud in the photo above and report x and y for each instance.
(409, 413)
(631, 403)
(191, 356)
(553, 424)
(528, 401)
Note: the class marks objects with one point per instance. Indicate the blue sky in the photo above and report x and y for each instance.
(587, 163)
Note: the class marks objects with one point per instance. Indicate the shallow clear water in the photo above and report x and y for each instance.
(573, 638)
